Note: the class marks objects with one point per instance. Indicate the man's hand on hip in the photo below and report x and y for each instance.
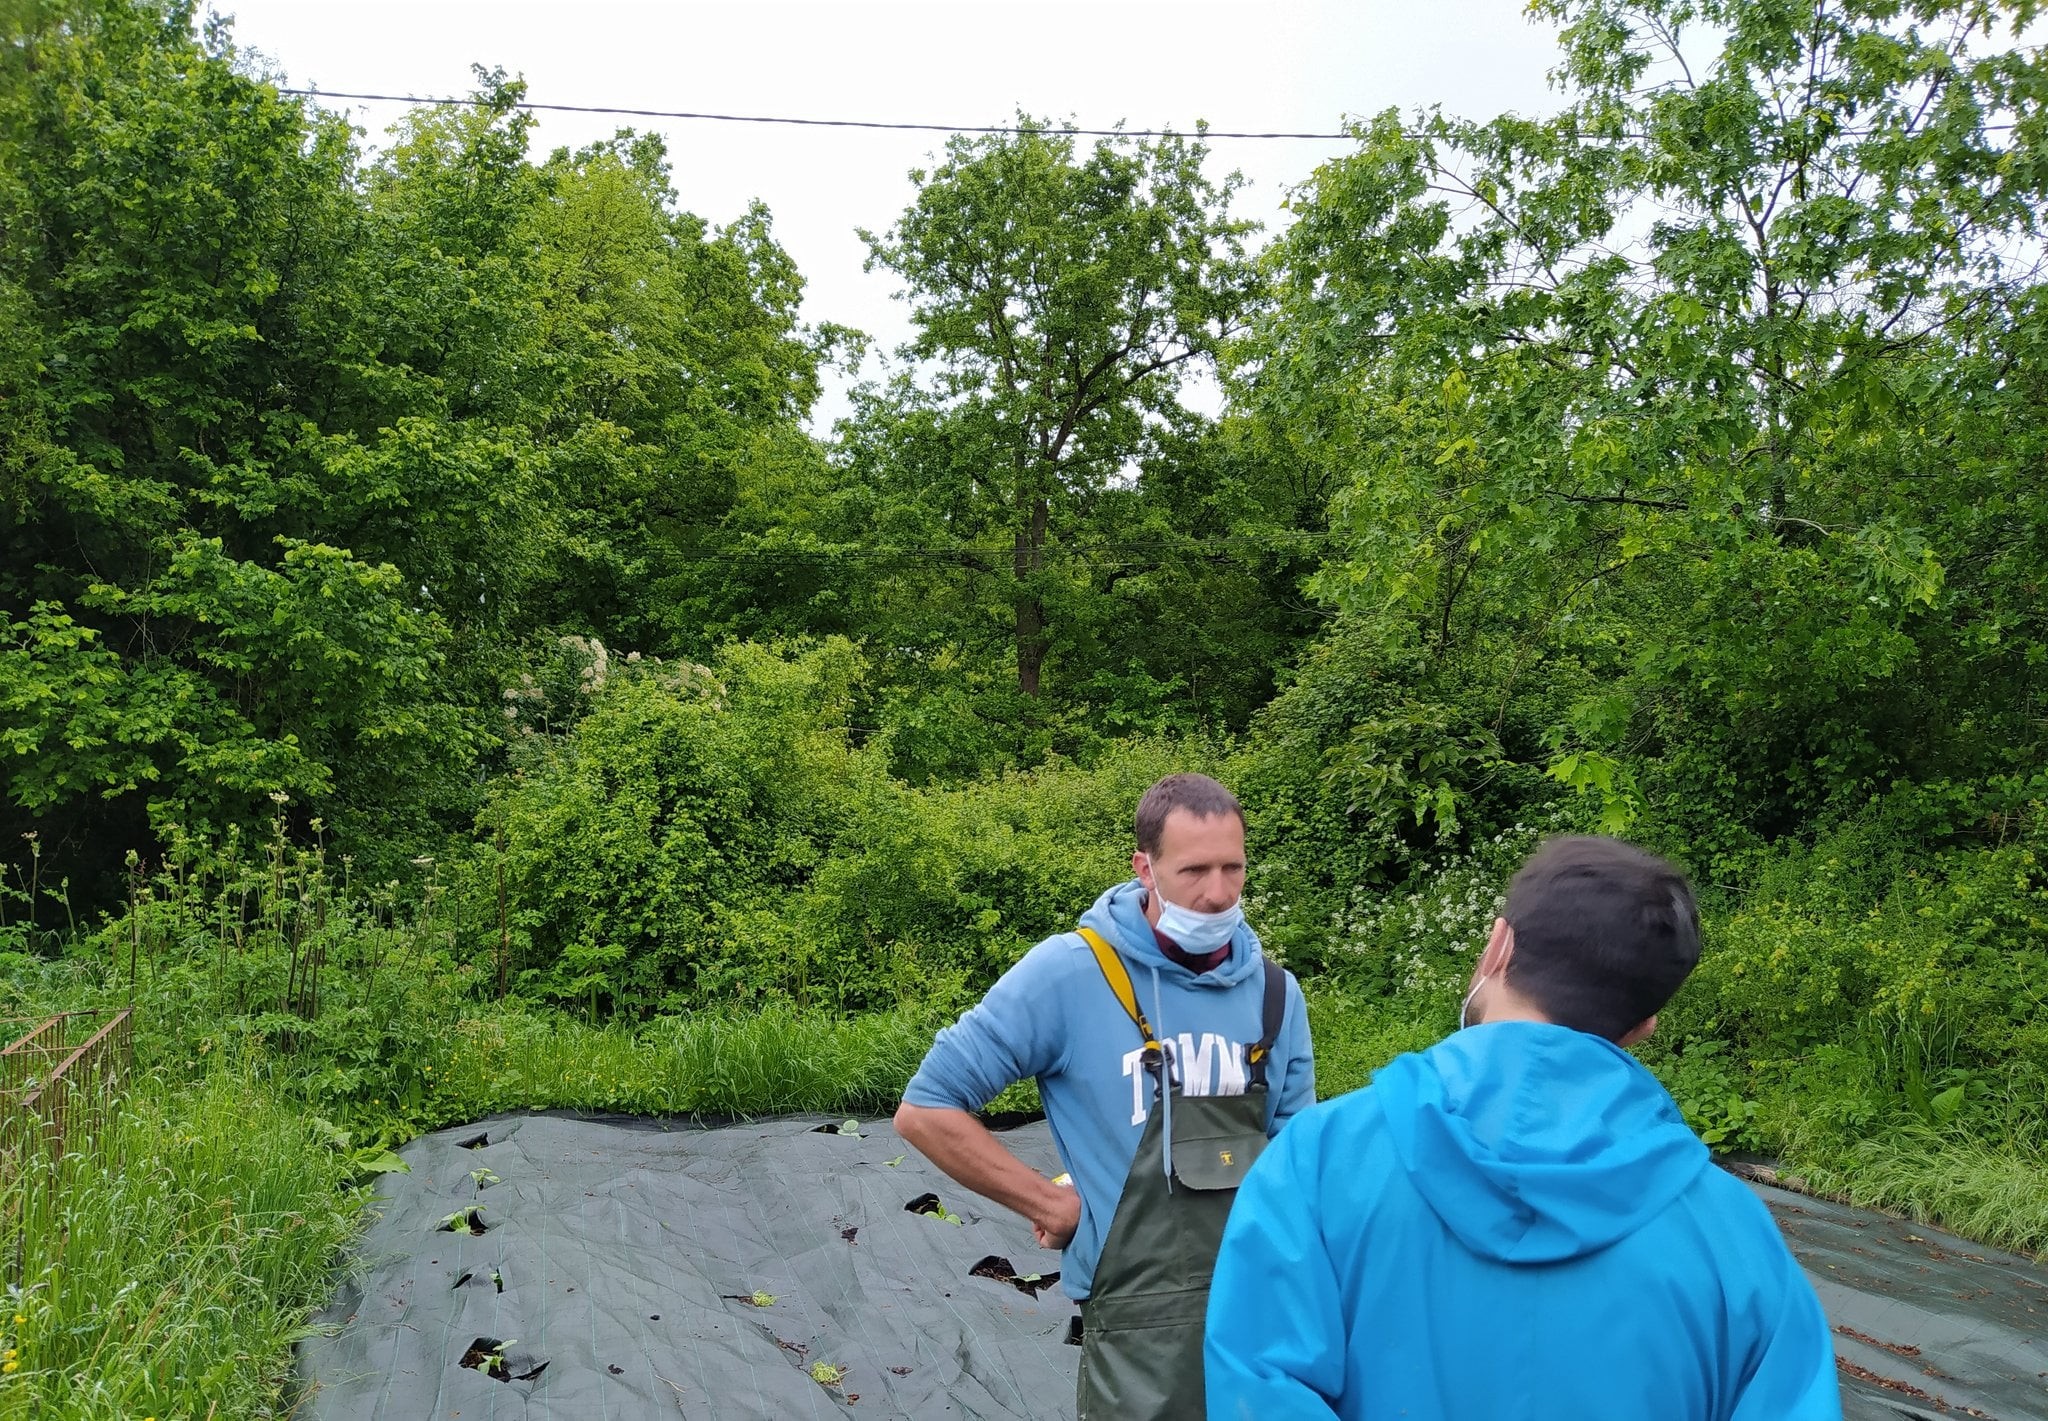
(963, 1147)
(1056, 1229)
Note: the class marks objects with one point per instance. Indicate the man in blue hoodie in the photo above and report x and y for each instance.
(1167, 1051)
(1516, 1224)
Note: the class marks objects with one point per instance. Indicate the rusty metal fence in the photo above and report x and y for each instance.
(58, 1079)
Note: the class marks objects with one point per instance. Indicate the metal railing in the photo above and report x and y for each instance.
(28, 1060)
(54, 1093)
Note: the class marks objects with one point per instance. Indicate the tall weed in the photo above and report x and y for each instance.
(164, 1268)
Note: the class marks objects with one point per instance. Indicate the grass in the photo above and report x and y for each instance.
(168, 1269)
(165, 1273)
(780, 1061)
(776, 1061)
(165, 1270)
(1995, 1191)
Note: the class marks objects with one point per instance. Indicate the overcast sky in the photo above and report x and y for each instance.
(1295, 65)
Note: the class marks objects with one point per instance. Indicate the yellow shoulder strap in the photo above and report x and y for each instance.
(1119, 978)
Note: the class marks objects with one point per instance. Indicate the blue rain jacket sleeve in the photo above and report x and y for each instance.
(1795, 1379)
(1273, 1345)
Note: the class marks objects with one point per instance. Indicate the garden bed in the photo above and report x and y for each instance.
(554, 1265)
(558, 1266)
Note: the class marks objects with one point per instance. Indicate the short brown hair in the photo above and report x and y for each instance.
(1197, 794)
(1605, 932)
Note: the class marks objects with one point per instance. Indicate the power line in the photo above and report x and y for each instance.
(815, 122)
(1205, 133)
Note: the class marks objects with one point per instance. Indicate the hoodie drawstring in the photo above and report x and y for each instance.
(1165, 1087)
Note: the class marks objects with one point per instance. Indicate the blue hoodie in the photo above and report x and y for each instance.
(1053, 1017)
(1515, 1224)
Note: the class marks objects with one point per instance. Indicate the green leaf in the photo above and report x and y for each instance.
(380, 1162)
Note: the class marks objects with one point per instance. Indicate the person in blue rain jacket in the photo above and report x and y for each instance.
(1516, 1224)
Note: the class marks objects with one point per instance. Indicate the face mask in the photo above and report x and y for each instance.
(1466, 1005)
(1199, 932)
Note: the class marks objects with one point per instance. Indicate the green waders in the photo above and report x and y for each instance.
(1141, 1333)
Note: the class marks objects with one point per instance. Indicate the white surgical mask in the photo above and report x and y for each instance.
(1199, 932)
(1466, 1005)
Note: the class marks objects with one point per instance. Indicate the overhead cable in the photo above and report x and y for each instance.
(1198, 132)
(1203, 133)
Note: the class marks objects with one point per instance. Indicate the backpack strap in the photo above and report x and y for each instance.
(1272, 1009)
(1272, 1013)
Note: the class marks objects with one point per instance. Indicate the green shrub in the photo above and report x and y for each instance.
(720, 838)
(1375, 766)
(1929, 974)
(647, 850)
(1355, 1034)
(942, 886)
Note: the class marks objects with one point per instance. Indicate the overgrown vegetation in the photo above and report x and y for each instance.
(441, 673)
(164, 1270)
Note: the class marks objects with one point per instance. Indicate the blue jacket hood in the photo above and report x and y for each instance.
(1119, 915)
(1536, 1143)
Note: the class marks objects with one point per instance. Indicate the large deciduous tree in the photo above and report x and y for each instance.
(1061, 297)
(1717, 385)
(299, 455)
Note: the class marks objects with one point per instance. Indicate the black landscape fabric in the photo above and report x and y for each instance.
(1926, 1324)
(631, 1257)
(629, 1269)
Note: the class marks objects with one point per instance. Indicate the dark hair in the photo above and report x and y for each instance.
(1604, 933)
(1197, 794)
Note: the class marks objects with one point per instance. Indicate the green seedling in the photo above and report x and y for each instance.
(493, 1361)
(483, 1177)
(892, 1163)
(850, 1127)
(381, 1162)
(371, 1159)
(468, 1220)
(762, 1300)
(931, 1208)
(825, 1374)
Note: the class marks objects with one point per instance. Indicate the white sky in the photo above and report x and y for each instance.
(1296, 65)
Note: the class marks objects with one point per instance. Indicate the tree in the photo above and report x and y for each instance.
(1676, 387)
(1060, 300)
(178, 642)
(299, 459)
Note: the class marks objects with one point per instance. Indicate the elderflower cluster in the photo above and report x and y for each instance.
(1431, 934)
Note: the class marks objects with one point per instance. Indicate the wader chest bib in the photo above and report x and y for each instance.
(1141, 1336)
